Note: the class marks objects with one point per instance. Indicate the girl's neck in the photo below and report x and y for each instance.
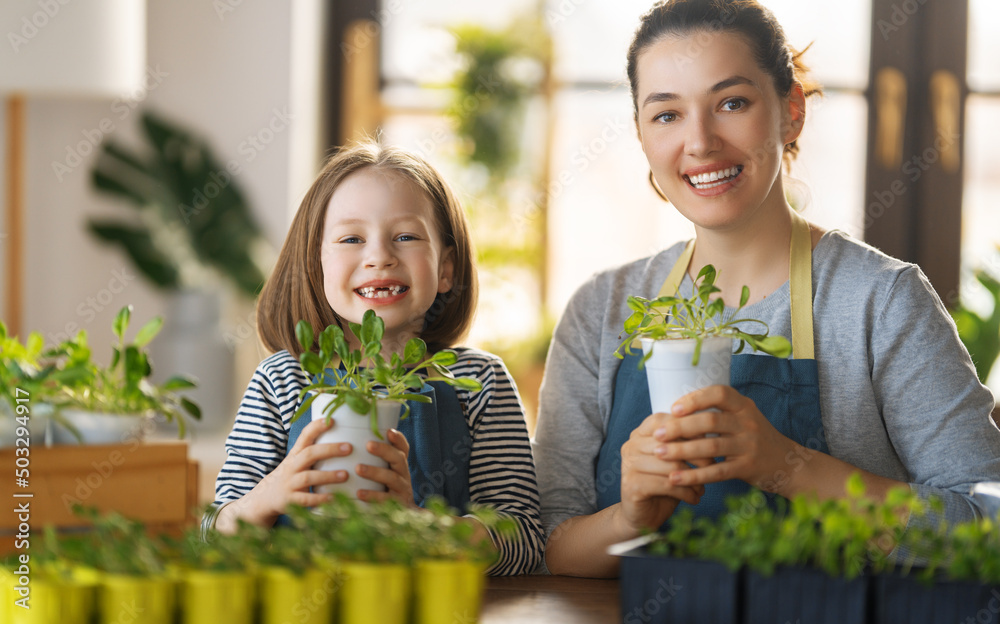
(392, 342)
(754, 255)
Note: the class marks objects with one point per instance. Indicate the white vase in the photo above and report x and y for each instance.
(670, 374)
(192, 343)
(350, 426)
(100, 428)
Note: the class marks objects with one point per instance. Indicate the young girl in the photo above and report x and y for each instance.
(380, 230)
(879, 382)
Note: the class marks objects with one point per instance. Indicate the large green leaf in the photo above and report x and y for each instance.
(138, 244)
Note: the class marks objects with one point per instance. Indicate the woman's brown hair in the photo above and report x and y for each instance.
(295, 289)
(746, 17)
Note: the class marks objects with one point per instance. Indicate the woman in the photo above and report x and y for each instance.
(881, 385)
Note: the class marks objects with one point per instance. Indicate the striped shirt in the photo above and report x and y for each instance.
(501, 470)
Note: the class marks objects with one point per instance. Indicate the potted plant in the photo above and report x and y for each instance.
(373, 547)
(362, 390)
(767, 560)
(55, 589)
(26, 388)
(659, 570)
(133, 573)
(295, 583)
(104, 405)
(810, 559)
(958, 579)
(687, 341)
(216, 581)
(449, 568)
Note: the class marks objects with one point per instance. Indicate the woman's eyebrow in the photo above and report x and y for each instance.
(732, 81)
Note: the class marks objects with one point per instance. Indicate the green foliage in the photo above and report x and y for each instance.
(697, 317)
(843, 537)
(117, 545)
(501, 71)
(28, 367)
(388, 532)
(123, 386)
(979, 334)
(367, 377)
(191, 216)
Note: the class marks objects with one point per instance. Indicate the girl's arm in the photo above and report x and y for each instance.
(501, 470)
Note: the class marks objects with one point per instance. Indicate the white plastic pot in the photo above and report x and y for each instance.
(350, 426)
(100, 428)
(670, 374)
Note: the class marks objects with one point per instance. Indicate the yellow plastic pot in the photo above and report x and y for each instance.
(123, 599)
(374, 592)
(215, 597)
(308, 598)
(56, 597)
(447, 591)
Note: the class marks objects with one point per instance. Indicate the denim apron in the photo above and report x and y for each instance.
(440, 446)
(786, 391)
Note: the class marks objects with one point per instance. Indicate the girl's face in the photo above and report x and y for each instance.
(713, 128)
(382, 251)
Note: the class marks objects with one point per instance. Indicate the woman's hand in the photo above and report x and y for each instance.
(648, 496)
(396, 477)
(753, 449)
(289, 483)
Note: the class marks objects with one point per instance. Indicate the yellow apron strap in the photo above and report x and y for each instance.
(800, 289)
(676, 276)
(800, 285)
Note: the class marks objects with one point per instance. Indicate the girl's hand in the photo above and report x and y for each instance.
(648, 496)
(290, 481)
(753, 449)
(396, 477)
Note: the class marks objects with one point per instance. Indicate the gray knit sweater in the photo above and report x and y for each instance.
(899, 395)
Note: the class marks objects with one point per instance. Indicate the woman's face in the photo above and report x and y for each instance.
(713, 128)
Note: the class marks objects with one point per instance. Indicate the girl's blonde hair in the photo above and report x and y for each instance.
(295, 289)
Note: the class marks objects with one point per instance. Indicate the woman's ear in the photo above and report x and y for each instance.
(794, 116)
(446, 270)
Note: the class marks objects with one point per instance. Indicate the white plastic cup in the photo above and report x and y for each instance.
(349, 426)
(670, 374)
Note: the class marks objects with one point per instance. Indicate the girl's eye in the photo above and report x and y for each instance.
(734, 104)
(350, 240)
(665, 117)
(406, 237)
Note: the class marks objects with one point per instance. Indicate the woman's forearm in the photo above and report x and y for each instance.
(578, 546)
(826, 477)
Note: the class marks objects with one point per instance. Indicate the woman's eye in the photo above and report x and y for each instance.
(665, 117)
(734, 104)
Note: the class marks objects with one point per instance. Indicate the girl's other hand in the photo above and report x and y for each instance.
(396, 477)
(648, 497)
(289, 483)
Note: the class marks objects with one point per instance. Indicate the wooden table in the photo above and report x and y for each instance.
(550, 599)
